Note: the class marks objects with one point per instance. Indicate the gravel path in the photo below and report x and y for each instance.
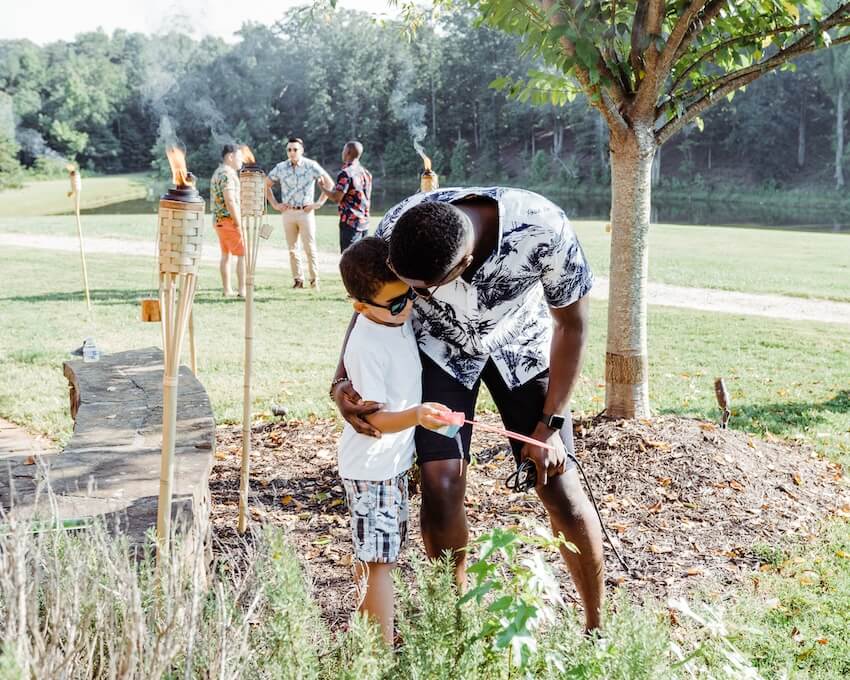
(705, 299)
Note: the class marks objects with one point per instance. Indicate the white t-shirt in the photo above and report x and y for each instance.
(383, 365)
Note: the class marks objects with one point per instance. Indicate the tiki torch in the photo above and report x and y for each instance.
(76, 189)
(252, 199)
(428, 181)
(181, 213)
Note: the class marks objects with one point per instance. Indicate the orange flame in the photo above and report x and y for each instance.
(179, 175)
(247, 156)
(426, 162)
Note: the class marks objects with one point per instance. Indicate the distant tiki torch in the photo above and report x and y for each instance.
(181, 213)
(76, 190)
(428, 181)
(252, 199)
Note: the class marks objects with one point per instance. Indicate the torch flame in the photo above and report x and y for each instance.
(179, 175)
(247, 156)
(425, 160)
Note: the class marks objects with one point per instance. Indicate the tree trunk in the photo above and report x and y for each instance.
(626, 375)
(839, 140)
(433, 112)
(801, 135)
(656, 168)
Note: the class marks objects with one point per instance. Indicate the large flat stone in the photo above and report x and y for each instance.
(110, 468)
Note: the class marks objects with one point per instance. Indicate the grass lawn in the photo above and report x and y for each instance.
(813, 265)
(48, 197)
(786, 378)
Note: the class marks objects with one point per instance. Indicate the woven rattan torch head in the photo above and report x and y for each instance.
(181, 221)
(252, 186)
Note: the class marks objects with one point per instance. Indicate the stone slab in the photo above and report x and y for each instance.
(110, 468)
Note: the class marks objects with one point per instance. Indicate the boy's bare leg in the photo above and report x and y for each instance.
(442, 515)
(377, 602)
(224, 268)
(571, 514)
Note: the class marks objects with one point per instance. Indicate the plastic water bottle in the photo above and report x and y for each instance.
(90, 351)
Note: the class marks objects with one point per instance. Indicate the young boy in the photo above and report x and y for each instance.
(382, 362)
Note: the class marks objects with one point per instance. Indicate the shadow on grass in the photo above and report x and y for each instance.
(111, 296)
(779, 418)
(791, 416)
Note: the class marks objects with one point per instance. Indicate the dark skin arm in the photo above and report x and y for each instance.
(569, 333)
(351, 406)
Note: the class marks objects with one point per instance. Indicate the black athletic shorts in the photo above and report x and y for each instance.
(521, 409)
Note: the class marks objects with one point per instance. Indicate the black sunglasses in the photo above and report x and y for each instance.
(396, 305)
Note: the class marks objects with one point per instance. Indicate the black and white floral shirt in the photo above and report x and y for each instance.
(503, 314)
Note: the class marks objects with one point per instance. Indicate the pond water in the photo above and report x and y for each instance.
(578, 207)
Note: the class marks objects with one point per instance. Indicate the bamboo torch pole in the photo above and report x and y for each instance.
(253, 208)
(181, 213)
(76, 189)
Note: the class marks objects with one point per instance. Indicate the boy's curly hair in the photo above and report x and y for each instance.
(364, 269)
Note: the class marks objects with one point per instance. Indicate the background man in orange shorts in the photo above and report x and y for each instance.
(224, 197)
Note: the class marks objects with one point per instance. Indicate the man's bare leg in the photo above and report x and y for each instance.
(442, 515)
(571, 514)
(240, 274)
(224, 268)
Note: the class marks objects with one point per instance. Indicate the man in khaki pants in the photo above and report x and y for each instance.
(297, 177)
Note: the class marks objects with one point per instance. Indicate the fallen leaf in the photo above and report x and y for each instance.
(660, 550)
(809, 578)
(693, 571)
(822, 641)
(335, 502)
(735, 484)
(655, 507)
(707, 427)
(798, 479)
(286, 500)
(665, 481)
(30, 460)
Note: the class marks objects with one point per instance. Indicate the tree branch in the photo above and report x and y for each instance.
(726, 43)
(711, 9)
(803, 45)
(611, 96)
(731, 83)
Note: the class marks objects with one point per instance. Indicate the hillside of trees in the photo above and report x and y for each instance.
(110, 103)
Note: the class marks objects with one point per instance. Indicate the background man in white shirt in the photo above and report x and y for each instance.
(297, 177)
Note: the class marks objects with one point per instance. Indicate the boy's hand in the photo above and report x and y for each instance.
(428, 415)
(352, 407)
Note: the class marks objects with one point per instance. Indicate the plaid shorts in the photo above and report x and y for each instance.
(379, 512)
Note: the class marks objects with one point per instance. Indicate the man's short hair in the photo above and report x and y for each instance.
(295, 140)
(363, 266)
(425, 241)
(357, 146)
(228, 148)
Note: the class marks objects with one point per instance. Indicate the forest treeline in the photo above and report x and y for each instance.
(111, 102)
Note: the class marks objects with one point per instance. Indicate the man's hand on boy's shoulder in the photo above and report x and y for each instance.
(353, 409)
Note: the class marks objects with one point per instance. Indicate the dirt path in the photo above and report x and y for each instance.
(16, 441)
(705, 299)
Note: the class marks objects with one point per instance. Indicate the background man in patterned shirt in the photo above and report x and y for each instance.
(224, 196)
(297, 177)
(502, 288)
(353, 194)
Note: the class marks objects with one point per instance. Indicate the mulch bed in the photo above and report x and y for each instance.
(684, 502)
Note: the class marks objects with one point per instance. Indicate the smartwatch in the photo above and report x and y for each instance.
(553, 422)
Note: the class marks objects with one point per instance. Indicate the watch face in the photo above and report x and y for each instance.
(556, 422)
